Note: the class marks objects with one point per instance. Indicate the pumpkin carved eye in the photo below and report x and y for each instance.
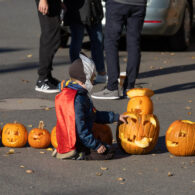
(14, 135)
(179, 138)
(140, 101)
(140, 135)
(39, 137)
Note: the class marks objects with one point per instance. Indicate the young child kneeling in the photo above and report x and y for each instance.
(75, 116)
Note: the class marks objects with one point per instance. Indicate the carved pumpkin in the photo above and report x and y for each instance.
(14, 135)
(53, 138)
(139, 135)
(140, 101)
(102, 132)
(39, 137)
(180, 138)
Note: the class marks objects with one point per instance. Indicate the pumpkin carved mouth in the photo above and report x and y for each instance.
(143, 143)
(172, 144)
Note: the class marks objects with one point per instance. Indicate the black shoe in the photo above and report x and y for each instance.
(54, 81)
(46, 86)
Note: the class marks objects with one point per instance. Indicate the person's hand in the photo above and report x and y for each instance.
(123, 118)
(101, 149)
(43, 7)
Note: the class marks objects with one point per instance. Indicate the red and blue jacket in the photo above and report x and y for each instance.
(75, 117)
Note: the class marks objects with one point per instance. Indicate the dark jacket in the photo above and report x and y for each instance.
(87, 12)
(133, 2)
(85, 115)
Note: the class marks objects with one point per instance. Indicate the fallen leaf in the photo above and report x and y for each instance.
(189, 113)
(42, 152)
(122, 183)
(125, 59)
(192, 161)
(171, 156)
(190, 101)
(99, 173)
(165, 61)
(188, 108)
(104, 168)
(11, 151)
(172, 54)
(124, 169)
(153, 154)
(29, 171)
(29, 56)
(47, 108)
(161, 67)
(113, 141)
(152, 67)
(120, 179)
(193, 57)
(170, 174)
(25, 81)
(21, 166)
(49, 149)
(29, 125)
(193, 181)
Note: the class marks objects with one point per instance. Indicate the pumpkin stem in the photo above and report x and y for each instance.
(41, 125)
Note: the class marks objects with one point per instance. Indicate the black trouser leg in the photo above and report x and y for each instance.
(50, 38)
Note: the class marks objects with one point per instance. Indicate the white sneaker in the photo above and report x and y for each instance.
(101, 78)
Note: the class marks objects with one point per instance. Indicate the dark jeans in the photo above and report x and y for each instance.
(118, 15)
(96, 38)
(50, 37)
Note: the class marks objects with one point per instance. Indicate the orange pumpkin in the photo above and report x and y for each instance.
(102, 132)
(139, 135)
(39, 137)
(180, 138)
(14, 135)
(53, 138)
(140, 101)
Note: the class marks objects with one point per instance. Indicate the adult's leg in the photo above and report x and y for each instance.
(96, 38)
(113, 28)
(50, 38)
(135, 21)
(77, 33)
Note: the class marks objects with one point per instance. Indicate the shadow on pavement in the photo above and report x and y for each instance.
(26, 66)
(6, 50)
(173, 88)
(160, 146)
(169, 70)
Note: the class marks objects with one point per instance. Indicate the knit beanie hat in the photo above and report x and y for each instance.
(82, 69)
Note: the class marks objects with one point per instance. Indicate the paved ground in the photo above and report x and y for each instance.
(169, 74)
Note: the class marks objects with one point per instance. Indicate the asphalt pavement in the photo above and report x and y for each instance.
(170, 74)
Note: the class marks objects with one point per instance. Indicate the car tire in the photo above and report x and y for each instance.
(181, 40)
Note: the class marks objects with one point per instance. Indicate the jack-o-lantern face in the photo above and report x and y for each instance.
(180, 138)
(39, 137)
(14, 135)
(139, 135)
(53, 138)
(140, 101)
(103, 133)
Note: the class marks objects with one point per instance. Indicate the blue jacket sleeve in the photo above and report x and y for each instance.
(83, 126)
(106, 117)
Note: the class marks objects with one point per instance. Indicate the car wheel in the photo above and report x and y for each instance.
(181, 40)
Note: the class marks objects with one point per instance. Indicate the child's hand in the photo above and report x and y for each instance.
(43, 7)
(123, 118)
(101, 149)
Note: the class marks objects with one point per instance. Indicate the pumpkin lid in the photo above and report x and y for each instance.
(140, 92)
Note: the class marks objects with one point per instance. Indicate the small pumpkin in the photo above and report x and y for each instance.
(14, 135)
(102, 132)
(180, 138)
(139, 135)
(39, 137)
(53, 138)
(140, 101)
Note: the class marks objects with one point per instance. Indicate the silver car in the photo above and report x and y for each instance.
(171, 18)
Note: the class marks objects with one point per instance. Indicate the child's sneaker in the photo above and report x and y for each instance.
(46, 86)
(101, 78)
